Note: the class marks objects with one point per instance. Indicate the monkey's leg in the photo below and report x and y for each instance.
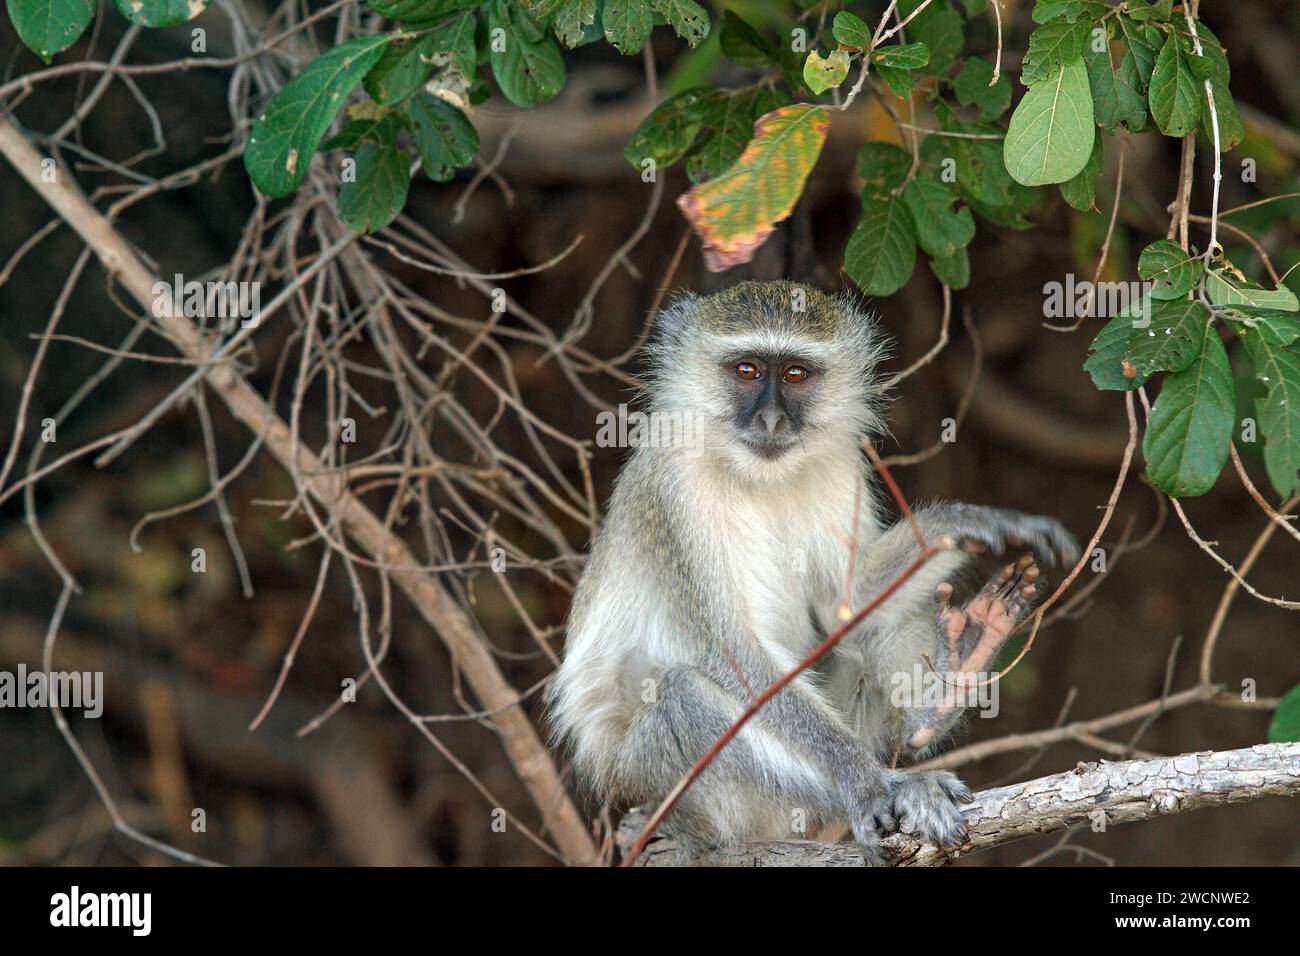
(968, 638)
(755, 787)
(793, 755)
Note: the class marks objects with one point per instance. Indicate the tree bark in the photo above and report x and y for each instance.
(1095, 794)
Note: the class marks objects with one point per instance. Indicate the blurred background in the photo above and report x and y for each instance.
(188, 660)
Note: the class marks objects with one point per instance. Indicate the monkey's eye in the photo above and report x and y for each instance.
(747, 370)
(795, 374)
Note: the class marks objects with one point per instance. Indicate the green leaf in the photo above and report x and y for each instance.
(1045, 10)
(381, 129)
(821, 74)
(1115, 100)
(1269, 343)
(670, 129)
(1175, 102)
(1285, 726)
(728, 124)
(529, 69)
(627, 24)
(570, 20)
(1173, 338)
(907, 56)
(1079, 192)
(377, 195)
(940, 28)
(48, 27)
(1051, 46)
(735, 212)
(972, 89)
(1144, 10)
(161, 13)
(954, 270)
(1221, 292)
(1171, 271)
(940, 230)
(1214, 63)
(742, 44)
(1231, 130)
(1107, 363)
(1142, 42)
(882, 250)
(688, 18)
(402, 69)
(456, 39)
(444, 137)
(849, 29)
(1190, 427)
(900, 81)
(1051, 133)
(883, 165)
(981, 175)
(287, 134)
(415, 11)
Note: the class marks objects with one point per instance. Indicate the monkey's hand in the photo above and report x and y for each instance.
(977, 528)
(968, 639)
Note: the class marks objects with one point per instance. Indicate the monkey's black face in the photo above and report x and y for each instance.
(773, 395)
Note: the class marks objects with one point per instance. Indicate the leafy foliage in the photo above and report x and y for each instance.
(1091, 71)
(1050, 137)
(1190, 428)
(287, 134)
(48, 27)
(374, 198)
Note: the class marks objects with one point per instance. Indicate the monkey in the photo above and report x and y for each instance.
(724, 559)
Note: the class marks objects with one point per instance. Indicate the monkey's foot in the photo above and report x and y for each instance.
(927, 803)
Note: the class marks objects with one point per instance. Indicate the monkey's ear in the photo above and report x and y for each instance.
(679, 315)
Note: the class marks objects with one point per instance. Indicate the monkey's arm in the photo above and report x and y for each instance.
(996, 529)
(918, 626)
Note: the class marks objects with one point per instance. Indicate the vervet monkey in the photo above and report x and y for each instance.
(725, 559)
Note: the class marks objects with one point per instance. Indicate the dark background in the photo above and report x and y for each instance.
(188, 660)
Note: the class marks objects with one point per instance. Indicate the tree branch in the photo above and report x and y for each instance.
(529, 756)
(1125, 791)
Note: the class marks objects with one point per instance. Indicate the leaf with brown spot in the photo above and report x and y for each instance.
(736, 212)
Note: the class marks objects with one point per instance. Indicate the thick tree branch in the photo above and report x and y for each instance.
(1125, 791)
(525, 750)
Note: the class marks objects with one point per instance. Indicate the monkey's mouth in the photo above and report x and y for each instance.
(769, 447)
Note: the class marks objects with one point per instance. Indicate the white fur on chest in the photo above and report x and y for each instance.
(783, 548)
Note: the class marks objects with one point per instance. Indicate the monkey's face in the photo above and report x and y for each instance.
(771, 396)
(776, 402)
(773, 376)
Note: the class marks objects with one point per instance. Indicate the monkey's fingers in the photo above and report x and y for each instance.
(952, 624)
(994, 613)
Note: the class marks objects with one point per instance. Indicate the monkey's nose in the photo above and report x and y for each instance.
(771, 418)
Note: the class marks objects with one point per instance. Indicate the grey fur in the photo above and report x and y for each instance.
(695, 599)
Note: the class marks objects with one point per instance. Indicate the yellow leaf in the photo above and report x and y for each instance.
(736, 212)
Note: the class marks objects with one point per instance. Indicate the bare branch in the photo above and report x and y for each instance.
(1121, 792)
